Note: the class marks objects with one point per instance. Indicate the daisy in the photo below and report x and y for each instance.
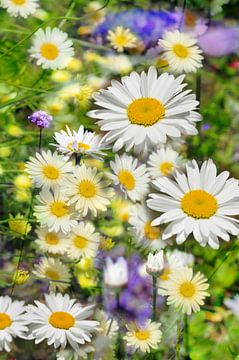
(121, 39)
(51, 241)
(82, 353)
(144, 109)
(171, 263)
(11, 321)
(233, 305)
(83, 241)
(55, 212)
(185, 291)
(22, 8)
(116, 273)
(88, 191)
(80, 142)
(60, 321)
(54, 271)
(144, 337)
(130, 176)
(51, 48)
(108, 326)
(155, 263)
(198, 202)
(121, 208)
(48, 170)
(144, 233)
(163, 162)
(181, 51)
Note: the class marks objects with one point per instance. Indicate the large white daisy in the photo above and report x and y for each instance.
(12, 322)
(144, 233)
(55, 272)
(48, 170)
(79, 142)
(88, 191)
(144, 109)
(181, 51)
(198, 202)
(131, 177)
(51, 48)
(163, 162)
(83, 241)
(22, 8)
(51, 241)
(61, 321)
(55, 212)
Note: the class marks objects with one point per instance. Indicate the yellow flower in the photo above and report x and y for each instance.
(20, 277)
(112, 230)
(121, 209)
(74, 64)
(106, 243)
(94, 12)
(84, 95)
(61, 76)
(85, 264)
(98, 164)
(91, 56)
(84, 30)
(19, 225)
(121, 39)
(85, 281)
(22, 181)
(22, 195)
(14, 130)
(5, 151)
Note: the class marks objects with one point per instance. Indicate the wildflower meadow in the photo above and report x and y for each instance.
(119, 152)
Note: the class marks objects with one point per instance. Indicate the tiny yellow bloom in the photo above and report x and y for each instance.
(22, 195)
(61, 76)
(121, 39)
(20, 277)
(14, 130)
(106, 243)
(22, 181)
(84, 95)
(5, 151)
(95, 13)
(84, 30)
(85, 281)
(74, 64)
(85, 264)
(19, 225)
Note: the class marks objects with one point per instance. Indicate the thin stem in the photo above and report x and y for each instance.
(178, 340)
(40, 139)
(120, 353)
(186, 337)
(154, 308)
(198, 86)
(223, 260)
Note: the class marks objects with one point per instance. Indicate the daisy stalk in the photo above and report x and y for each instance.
(155, 290)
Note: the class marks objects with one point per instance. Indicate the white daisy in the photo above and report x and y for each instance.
(144, 233)
(55, 212)
(51, 48)
(144, 337)
(198, 202)
(48, 170)
(83, 241)
(130, 176)
(142, 110)
(116, 273)
(22, 8)
(185, 291)
(185, 258)
(88, 191)
(108, 326)
(60, 321)
(163, 162)
(82, 353)
(51, 241)
(181, 51)
(12, 323)
(155, 263)
(80, 142)
(171, 263)
(54, 271)
(233, 305)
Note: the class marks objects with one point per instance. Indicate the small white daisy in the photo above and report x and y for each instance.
(83, 241)
(69, 354)
(116, 273)
(88, 191)
(181, 51)
(51, 48)
(22, 8)
(155, 263)
(51, 241)
(185, 291)
(54, 211)
(61, 321)
(171, 263)
(121, 39)
(142, 110)
(80, 142)
(131, 177)
(163, 162)
(48, 170)
(12, 322)
(233, 305)
(54, 271)
(198, 202)
(144, 337)
(144, 233)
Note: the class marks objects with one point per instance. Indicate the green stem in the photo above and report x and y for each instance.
(40, 139)
(154, 308)
(120, 352)
(186, 337)
(223, 260)
(178, 340)
(198, 86)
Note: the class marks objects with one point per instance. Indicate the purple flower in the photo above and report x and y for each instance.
(40, 118)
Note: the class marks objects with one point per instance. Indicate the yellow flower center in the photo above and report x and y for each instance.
(126, 179)
(51, 238)
(151, 232)
(166, 168)
(18, 2)
(80, 146)
(121, 39)
(181, 50)
(51, 172)
(49, 51)
(5, 321)
(87, 188)
(142, 334)
(52, 274)
(145, 111)
(80, 242)
(187, 289)
(59, 208)
(199, 204)
(165, 274)
(61, 320)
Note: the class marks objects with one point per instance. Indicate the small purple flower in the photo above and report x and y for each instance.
(40, 118)
(205, 127)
